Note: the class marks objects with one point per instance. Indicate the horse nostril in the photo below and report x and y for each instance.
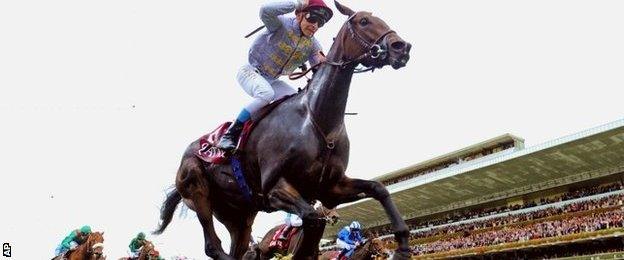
(398, 45)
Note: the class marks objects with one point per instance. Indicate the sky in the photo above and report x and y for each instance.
(98, 99)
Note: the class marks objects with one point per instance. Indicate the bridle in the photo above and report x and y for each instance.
(91, 246)
(373, 50)
(329, 216)
(148, 250)
(373, 251)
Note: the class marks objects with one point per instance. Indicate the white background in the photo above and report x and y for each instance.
(98, 99)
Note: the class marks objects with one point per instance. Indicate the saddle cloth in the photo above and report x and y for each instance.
(282, 244)
(208, 151)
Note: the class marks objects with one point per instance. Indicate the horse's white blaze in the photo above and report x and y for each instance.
(96, 245)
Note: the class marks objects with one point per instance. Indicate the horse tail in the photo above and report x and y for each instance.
(167, 209)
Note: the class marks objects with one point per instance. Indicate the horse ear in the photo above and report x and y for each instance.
(343, 9)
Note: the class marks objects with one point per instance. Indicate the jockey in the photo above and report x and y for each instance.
(136, 244)
(71, 241)
(292, 220)
(349, 238)
(286, 44)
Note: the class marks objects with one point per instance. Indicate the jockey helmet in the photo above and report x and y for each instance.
(141, 235)
(355, 225)
(319, 8)
(85, 229)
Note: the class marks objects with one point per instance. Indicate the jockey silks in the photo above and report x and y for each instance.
(282, 47)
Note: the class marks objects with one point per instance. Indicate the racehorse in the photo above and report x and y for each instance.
(263, 250)
(92, 249)
(147, 253)
(296, 154)
(371, 249)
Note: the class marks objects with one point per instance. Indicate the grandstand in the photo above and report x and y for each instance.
(499, 199)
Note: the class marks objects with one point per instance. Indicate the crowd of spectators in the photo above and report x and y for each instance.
(482, 227)
(578, 248)
(614, 200)
(543, 229)
(453, 217)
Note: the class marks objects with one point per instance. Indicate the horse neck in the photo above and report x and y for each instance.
(363, 252)
(81, 251)
(329, 90)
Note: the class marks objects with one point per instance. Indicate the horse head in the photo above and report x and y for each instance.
(148, 251)
(371, 249)
(368, 40)
(379, 249)
(331, 216)
(95, 246)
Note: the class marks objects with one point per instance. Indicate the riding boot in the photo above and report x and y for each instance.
(229, 140)
(284, 233)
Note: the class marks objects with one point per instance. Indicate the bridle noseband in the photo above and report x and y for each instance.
(372, 50)
(91, 250)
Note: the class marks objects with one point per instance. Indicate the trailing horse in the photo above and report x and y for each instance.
(298, 153)
(148, 252)
(92, 249)
(371, 249)
(264, 250)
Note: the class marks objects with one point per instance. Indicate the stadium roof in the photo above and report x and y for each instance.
(518, 142)
(586, 155)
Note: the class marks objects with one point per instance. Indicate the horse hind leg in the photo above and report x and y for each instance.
(194, 188)
(212, 243)
(240, 232)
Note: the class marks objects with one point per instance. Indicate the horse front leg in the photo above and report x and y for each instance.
(348, 190)
(285, 197)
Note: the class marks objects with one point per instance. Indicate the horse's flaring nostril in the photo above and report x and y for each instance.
(398, 45)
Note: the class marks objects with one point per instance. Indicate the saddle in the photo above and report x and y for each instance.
(208, 151)
(280, 245)
(334, 256)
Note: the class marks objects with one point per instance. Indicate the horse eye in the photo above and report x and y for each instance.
(364, 22)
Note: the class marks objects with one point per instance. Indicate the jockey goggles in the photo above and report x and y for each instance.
(318, 19)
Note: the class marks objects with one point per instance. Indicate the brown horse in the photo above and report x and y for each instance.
(148, 252)
(263, 250)
(297, 154)
(371, 249)
(92, 249)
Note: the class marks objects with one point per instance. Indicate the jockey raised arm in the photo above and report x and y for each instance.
(287, 43)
